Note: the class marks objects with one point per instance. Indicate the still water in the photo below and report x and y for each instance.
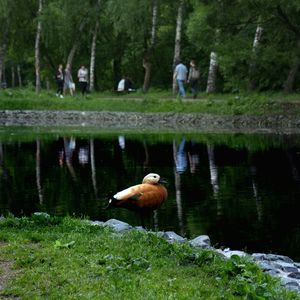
(241, 190)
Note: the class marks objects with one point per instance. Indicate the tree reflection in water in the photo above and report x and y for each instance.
(231, 191)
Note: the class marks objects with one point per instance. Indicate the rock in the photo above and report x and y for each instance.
(285, 267)
(172, 237)
(41, 214)
(202, 241)
(117, 225)
(295, 275)
(289, 282)
(230, 253)
(97, 223)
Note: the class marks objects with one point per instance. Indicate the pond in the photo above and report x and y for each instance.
(242, 190)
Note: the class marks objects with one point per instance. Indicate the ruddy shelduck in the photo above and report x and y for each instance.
(149, 195)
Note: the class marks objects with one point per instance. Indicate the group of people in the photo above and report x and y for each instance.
(182, 75)
(65, 81)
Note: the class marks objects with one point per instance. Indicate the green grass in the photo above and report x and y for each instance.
(154, 101)
(68, 258)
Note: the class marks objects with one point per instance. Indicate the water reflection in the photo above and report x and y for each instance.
(232, 191)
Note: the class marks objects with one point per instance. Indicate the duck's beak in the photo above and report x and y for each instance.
(163, 181)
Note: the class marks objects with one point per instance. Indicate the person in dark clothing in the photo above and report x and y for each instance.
(60, 81)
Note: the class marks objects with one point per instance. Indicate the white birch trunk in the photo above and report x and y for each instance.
(212, 73)
(255, 46)
(37, 49)
(93, 57)
(177, 48)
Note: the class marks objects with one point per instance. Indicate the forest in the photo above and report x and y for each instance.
(239, 45)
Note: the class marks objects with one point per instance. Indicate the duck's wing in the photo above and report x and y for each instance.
(133, 192)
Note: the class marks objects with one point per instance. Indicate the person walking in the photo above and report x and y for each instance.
(60, 81)
(69, 84)
(193, 78)
(83, 79)
(180, 75)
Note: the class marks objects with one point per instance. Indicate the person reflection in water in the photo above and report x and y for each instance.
(67, 154)
(187, 155)
(181, 159)
(193, 157)
(83, 155)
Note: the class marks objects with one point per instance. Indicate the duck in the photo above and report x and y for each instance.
(147, 196)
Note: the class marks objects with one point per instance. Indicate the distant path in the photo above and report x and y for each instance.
(154, 121)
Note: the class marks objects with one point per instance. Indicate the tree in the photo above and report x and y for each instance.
(148, 56)
(93, 48)
(37, 49)
(177, 47)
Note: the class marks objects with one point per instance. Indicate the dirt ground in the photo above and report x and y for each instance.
(6, 274)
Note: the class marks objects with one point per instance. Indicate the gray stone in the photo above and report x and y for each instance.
(41, 214)
(230, 253)
(202, 241)
(275, 257)
(117, 225)
(289, 282)
(227, 253)
(133, 120)
(97, 223)
(295, 275)
(172, 237)
(285, 267)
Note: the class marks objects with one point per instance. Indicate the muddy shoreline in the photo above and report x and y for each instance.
(154, 121)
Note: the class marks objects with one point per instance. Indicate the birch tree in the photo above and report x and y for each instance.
(93, 49)
(37, 48)
(211, 86)
(147, 60)
(177, 48)
(255, 47)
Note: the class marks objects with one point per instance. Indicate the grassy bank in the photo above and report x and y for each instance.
(154, 101)
(51, 258)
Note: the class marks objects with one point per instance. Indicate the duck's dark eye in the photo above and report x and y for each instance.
(154, 176)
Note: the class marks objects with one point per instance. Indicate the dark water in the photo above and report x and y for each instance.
(241, 190)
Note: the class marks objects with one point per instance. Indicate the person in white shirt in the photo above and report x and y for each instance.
(180, 75)
(82, 75)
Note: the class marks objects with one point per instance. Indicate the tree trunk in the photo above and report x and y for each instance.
(147, 61)
(13, 81)
(212, 73)
(93, 53)
(75, 45)
(93, 57)
(38, 171)
(2, 58)
(93, 167)
(257, 38)
(177, 48)
(37, 49)
(289, 83)
(19, 76)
